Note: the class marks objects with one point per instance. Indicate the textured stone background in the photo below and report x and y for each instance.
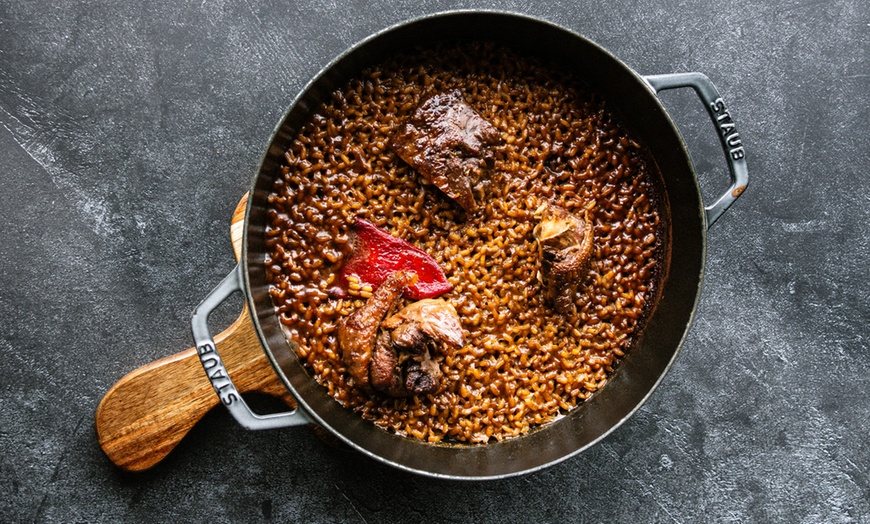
(128, 131)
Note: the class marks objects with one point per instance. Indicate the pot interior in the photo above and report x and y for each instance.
(678, 287)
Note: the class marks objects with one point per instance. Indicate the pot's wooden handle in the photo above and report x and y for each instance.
(147, 413)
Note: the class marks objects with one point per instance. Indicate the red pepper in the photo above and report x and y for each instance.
(377, 255)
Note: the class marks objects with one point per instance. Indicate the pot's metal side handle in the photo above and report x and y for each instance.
(217, 372)
(735, 154)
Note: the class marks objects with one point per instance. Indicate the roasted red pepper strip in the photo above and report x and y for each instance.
(377, 255)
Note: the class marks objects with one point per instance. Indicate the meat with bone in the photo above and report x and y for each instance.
(565, 243)
(393, 355)
(358, 332)
(415, 331)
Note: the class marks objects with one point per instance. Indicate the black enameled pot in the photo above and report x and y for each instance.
(686, 224)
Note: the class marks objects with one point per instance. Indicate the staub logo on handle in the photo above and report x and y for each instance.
(217, 373)
(728, 129)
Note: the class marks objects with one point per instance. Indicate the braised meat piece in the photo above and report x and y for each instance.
(424, 320)
(393, 355)
(387, 371)
(415, 330)
(385, 361)
(358, 332)
(421, 379)
(408, 337)
(565, 243)
(448, 143)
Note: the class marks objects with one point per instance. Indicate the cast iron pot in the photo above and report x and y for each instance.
(686, 223)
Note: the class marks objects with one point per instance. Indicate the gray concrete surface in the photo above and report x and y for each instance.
(129, 130)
